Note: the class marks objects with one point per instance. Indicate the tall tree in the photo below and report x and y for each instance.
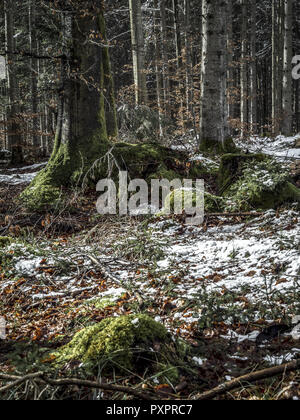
(34, 71)
(108, 84)
(213, 107)
(138, 51)
(14, 132)
(81, 126)
(253, 70)
(287, 63)
(244, 68)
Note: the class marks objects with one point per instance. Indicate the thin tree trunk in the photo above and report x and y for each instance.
(138, 52)
(165, 58)
(230, 72)
(189, 88)
(253, 71)
(108, 83)
(244, 92)
(287, 78)
(14, 134)
(158, 60)
(34, 73)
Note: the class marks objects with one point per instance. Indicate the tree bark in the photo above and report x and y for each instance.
(213, 106)
(81, 125)
(253, 71)
(138, 52)
(287, 69)
(244, 79)
(109, 88)
(14, 134)
(34, 73)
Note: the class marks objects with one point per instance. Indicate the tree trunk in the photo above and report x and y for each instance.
(34, 74)
(165, 58)
(253, 71)
(287, 77)
(189, 88)
(14, 134)
(230, 72)
(244, 57)
(158, 62)
(108, 83)
(213, 107)
(138, 53)
(81, 132)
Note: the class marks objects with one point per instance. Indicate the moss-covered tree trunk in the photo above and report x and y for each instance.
(83, 123)
(81, 129)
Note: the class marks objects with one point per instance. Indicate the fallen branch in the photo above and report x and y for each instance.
(20, 380)
(249, 378)
(41, 378)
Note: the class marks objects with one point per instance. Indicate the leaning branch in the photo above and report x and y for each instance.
(249, 378)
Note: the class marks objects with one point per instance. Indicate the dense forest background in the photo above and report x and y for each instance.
(260, 38)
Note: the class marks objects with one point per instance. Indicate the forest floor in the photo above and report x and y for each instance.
(217, 286)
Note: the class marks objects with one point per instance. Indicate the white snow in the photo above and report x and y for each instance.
(281, 147)
(17, 179)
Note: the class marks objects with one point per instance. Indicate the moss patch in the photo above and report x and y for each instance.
(145, 161)
(213, 147)
(255, 182)
(115, 341)
(4, 241)
(212, 203)
(232, 167)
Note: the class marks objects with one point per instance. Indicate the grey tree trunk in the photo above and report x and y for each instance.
(275, 66)
(230, 72)
(287, 69)
(14, 134)
(244, 79)
(213, 106)
(165, 57)
(138, 51)
(189, 88)
(158, 66)
(34, 73)
(253, 71)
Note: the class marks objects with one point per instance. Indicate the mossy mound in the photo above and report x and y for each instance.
(212, 203)
(232, 166)
(255, 182)
(116, 342)
(144, 161)
(4, 241)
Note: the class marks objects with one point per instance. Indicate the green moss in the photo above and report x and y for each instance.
(100, 303)
(4, 241)
(258, 182)
(146, 161)
(113, 339)
(213, 147)
(212, 203)
(232, 166)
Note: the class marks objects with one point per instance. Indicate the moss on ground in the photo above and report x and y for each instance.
(144, 161)
(116, 342)
(255, 182)
(4, 241)
(232, 166)
(212, 203)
